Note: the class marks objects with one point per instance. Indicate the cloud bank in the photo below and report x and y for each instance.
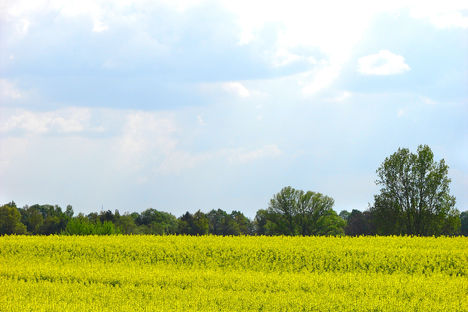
(382, 63)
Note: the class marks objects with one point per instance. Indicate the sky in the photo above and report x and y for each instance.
(188, 105)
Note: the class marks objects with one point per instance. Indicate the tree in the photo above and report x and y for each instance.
(106, 216)
(344, 214)
(244, 224)
(464, 223)
(200, 225)
(329, 223)
(69, 211)
(295, 212)
(82, 226)
(10, 220)
(196, 224)
(415, 196)
(285, 204)
(222, 223)
(260, 222)
(126, 224)
(217, 220)
(157, 222)
(32, 218)
(314, 211)
(359, 223)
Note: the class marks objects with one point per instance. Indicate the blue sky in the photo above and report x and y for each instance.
(187, 105)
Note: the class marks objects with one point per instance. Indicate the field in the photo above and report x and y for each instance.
(209, 273)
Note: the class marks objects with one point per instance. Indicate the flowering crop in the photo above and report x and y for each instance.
(210, 273)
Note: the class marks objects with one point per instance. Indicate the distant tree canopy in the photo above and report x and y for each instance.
(464, 223)
(82, 226)
(45, 219)
(222, 223)
(295, 212)
(414, 199)
(359, 223)
(10, 220)
(414, 196)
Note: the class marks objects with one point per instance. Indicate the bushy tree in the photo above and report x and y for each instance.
(153, 221)
(196, 224)
(222, 223)
(414, 196)
(126, 224)
(244, 224)
(344, 214)
(359, 223)
(329, 223)
(32, 218)
(10, 220)
(82, 226)
(295, 212)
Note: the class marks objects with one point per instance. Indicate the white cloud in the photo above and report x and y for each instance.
(233, 88)
(9, 90)
(320, 79)
(285, 33)
(146, 135)
(25, 11)
(284, 57)
(382, 63)
(150, 144)
(236, 88)
(427, 100)
(200, 120)
(450, 20)
(22, 26)
(70, 120)
(341, 97)
(442, 14)
(99, 26)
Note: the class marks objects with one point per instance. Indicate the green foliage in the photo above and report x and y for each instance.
(200, 225)
(45, 219)
(82, 226)
(196, 224)
(359, 223)
(10, 220)
(329, 223)
(464, 223)
(222, 223)
(243, 223)
(295, 212)
(415, 196)
(32, 218)
(69, 211)
(126, 224)
(344, 215)
(153, 221)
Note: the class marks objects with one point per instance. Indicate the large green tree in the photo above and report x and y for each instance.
(415, 196)
(157, 222)
(295, 212)
(196, 224)
(359, 223)
(10, 220)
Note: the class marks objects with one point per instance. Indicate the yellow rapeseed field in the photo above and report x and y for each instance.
(210, 273)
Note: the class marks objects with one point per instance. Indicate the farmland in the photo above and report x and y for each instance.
(214, 273)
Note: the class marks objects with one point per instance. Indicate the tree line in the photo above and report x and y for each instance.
(414, 199)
